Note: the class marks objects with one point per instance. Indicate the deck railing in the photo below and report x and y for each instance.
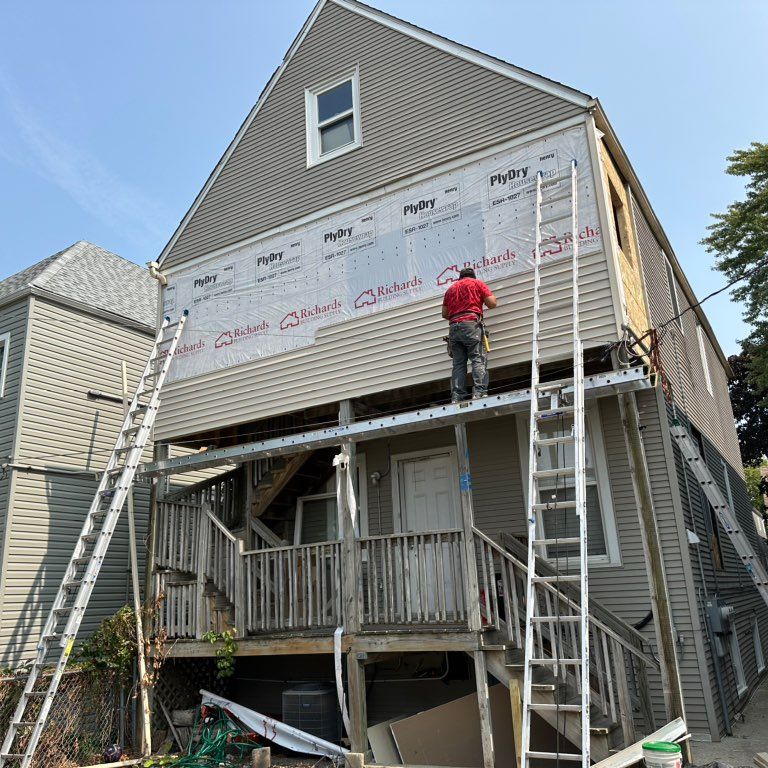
(618, 662)
(293, 587)
(412, 578)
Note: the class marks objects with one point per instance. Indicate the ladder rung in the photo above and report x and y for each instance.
(26, 723)
(551, 662)
(556, 472)
(543, 687)
(560, 440)
(61, 611)
(555, 755)
(82, 560)
(545, 413)
(132, 430)
(549, 506)
(556, 707)
(549, 241)
(115, 471)
(558, 198)
(548, 386)
(74, 584)
(91, 536)
(562, 540)
(11, 755)
(555, 579)
(554, 619)
(565, 176)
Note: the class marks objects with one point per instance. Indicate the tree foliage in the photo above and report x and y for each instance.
(739, 240)
(750, 410)
(756, 485)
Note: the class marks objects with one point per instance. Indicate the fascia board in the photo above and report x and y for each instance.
(625, 166)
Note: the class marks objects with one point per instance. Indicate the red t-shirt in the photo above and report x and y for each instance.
(465, 296)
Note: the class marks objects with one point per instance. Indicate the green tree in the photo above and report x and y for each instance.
(750, 410)
(755, 485)
(739, 240)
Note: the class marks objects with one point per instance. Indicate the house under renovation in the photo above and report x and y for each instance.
(369, 526)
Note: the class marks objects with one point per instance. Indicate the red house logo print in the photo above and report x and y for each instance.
(224, 340)
(448, 275)
(291, 320)
(365, 299)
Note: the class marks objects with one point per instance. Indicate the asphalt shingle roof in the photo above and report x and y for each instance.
(91, 276)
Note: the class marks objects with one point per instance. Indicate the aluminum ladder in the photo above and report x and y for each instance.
(556, 201)
(58, 637)
(725, 514)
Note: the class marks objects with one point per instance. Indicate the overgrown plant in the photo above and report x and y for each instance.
(112, 648)
(225, 655)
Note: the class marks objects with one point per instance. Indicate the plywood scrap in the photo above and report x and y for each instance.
(632, 754)
(382, 743)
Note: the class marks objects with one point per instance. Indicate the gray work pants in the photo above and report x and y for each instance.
(466, 342)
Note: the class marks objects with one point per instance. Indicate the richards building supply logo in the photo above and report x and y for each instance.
(448, 275)
(188, 350)
(314, 313)
(387, 292)
(240, 333)
(589, 236)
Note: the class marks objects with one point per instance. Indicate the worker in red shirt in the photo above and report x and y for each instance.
(463, 309)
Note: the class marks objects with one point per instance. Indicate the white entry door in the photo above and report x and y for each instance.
(427, 500)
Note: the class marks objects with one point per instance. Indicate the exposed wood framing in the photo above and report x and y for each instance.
(281, 477)
(484, 707)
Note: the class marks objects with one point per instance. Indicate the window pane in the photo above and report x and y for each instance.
(335, 101)
(564, 522)
(552, 456)
(337, 135)
(319, 521)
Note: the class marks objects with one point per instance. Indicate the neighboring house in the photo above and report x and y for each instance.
(378, 160)
(66, 325)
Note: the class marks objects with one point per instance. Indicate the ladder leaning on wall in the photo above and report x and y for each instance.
(61, 627)
(561, 400)
(722, 508)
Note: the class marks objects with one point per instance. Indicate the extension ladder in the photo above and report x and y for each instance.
(568, 448)
(722, 508)
(68, 609)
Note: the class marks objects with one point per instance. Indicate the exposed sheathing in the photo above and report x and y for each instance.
(419, 107)
(630, 268)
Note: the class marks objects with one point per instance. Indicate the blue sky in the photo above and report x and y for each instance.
(112, 115)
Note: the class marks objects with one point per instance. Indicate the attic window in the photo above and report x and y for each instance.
(333, 119)
(5, 340)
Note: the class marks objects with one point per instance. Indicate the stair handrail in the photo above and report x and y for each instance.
(625, 642)
(215, 520)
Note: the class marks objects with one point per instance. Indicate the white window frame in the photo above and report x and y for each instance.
(5, 353)
(314, 146)
(426, 453)
(758, 644)
(704, 360)
(736, 660)
(362, 505)
(612, 556)
(673, 295)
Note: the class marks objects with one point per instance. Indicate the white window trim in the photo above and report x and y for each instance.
(737, 662)
(758, 643)
(5, 346)
(674, 296)
(704, 360)
(612, 556)
(362, 504)
(396, 459)
(314, 157)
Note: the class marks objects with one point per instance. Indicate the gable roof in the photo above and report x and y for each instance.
(91, 277)
(569, 95)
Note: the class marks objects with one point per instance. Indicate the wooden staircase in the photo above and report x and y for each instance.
(273, 482)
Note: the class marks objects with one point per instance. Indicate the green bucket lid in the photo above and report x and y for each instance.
(662, 746)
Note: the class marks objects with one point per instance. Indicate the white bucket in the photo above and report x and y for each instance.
(662, 754)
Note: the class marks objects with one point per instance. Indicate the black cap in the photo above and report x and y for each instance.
(467, 272)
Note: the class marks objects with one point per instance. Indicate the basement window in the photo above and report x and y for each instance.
(5, 342)
(736, 661)
(333, 119)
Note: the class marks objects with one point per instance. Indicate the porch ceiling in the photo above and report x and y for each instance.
(598, 385)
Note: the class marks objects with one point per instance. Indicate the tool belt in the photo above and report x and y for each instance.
(486, 336)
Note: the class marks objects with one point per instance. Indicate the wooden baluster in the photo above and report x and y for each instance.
(609, 676)
(494, 597)
(622, 688)
(441, 613)
(407, 578)
(485, 604)
(389, 582)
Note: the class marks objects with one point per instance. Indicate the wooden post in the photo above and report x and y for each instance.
(484, 707)
(467, 513)
(516, 704)
(654, 558)
(354, 760)
(351, 586)
(145, 744)
(203, 532)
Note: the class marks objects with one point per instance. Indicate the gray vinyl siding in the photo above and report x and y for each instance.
(69, 353)
(499, 508)
(383, 351)
(13, 320)
(419, 107)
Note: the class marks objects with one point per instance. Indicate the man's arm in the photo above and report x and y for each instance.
(489, 299)
(445, 312)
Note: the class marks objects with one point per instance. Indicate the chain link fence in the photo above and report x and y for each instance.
(89, 713)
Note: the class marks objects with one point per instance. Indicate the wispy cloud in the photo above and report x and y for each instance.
(28, 141)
